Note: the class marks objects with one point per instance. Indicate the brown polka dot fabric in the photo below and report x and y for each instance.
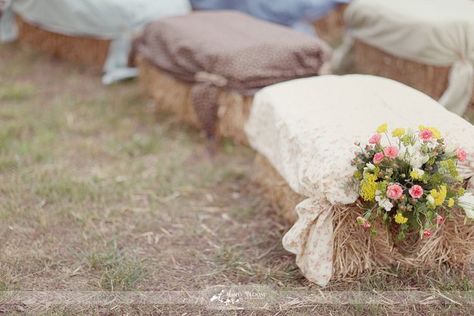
(232, 50)
(205, 104)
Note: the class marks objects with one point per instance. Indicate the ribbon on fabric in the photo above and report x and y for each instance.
(341, 58)
(8, 26)
(458, 95)
(116, 66)
(311, 240)
(205, 94)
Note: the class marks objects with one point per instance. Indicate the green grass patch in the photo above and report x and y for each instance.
(3, 286)
(116, 271)
(16, 92)
(60, 189)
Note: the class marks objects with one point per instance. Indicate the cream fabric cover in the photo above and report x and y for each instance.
(432, 32)
(306, 128)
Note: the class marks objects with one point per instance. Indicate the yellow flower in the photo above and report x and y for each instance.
(417, 174)
(451, 202)
(398, 132)
(439, 195)
(436, 132)
(382, 128)
(400, 219)
(357, 175)
(368, 186)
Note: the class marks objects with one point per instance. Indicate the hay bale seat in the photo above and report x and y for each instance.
(173, 96)
(276, 189)
(84, 51)
(303, 164)
(96, 34)
(428, 42)
(205, 67)
(430, 80)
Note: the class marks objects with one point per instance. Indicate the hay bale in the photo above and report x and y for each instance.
(431, 80)
(85, 51)
(173, 96)
(331, 27)
(276, 190)
(357, 253)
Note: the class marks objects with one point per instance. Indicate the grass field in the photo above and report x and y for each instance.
(99, 193)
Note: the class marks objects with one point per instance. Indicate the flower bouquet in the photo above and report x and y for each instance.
(409, 180)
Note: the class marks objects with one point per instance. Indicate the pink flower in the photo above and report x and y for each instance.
(440, 220)
(427, 234)
(426, 135)
(366, 225)
(461, 153)
(375, 139)
(416, 191)
(394, 191)
(391, 152)
(378, 157)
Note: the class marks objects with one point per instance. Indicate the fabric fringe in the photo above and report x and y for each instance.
(357, 253)
(173, 96)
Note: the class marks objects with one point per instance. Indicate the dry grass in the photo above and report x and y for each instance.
(96, 193)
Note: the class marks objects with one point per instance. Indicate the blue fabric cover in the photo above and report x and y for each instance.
(293, 13)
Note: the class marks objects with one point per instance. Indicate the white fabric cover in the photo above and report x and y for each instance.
(307, 128)
(116, 20)
(432, 32)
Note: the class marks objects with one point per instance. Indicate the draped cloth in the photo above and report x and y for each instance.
(307, 128)
(8, 29)
(431, 32)
(229, 50)
(115, 20)
(299, 14)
